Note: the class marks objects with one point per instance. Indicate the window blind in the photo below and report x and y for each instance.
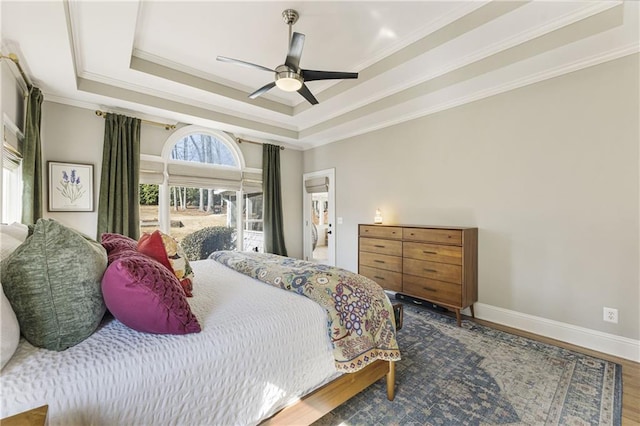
(205, 177)
(11, 158)
(316, 185)
(151, 172)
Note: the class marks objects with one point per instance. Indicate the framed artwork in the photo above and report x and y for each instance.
(70, 187)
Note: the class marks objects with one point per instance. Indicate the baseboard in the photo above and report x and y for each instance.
(611, 344)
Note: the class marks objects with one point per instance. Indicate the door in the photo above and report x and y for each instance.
(319, 216)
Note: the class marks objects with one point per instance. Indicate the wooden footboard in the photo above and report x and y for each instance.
(324, 399)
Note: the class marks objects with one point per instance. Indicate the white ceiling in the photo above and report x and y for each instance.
(157, 59)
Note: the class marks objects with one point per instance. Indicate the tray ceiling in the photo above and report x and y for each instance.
(157, 59)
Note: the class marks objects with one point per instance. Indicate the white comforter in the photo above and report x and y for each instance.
(259, 350)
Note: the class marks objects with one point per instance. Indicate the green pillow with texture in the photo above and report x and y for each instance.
(53, 282)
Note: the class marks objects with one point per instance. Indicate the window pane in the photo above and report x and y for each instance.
(253, 234)
(11, 195)
(201, 148)
(149, 218)
(209, 212)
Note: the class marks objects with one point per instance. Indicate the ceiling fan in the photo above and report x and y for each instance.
(289, 76)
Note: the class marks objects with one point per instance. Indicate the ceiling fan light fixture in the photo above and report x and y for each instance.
(289, 77)
(288, 80)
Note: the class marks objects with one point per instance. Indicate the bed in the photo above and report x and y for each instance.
(263, 355)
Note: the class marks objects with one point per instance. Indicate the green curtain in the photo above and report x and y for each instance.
(118, 207)
(272, 196)
(32, 160)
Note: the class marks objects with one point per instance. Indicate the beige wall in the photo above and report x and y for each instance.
(76, 135)
(12, 96)
(71, 134)
(548, 173)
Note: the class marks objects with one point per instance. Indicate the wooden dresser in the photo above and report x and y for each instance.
(434, 263)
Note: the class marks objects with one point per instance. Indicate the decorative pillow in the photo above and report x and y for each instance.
(53, 284)
(11, 236)
(118, 245)
(9, 242)
(15, 230)
(9, 330)
(166, 250)
(144, 295)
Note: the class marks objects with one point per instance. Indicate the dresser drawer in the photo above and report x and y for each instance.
(433, 252)
(433, 270)
(381, 261)
(375, 245)
(376, 231)
(386, 279)
(432, 290)
(442, 236)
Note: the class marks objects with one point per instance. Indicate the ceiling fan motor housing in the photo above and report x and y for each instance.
(287, 79)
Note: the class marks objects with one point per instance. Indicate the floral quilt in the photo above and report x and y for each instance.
(361, 324)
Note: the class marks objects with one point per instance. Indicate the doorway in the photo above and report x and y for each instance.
(319, 216)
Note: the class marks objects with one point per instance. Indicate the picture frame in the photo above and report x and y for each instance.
(70, 187)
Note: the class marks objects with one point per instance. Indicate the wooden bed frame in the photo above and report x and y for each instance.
(313, 406)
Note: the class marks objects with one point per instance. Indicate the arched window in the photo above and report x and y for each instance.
(201, 186)
(203, 148)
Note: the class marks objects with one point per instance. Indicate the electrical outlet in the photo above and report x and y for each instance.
(610, 315)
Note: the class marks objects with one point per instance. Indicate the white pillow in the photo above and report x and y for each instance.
(16, 230)
(8, 243)
(11, 236)
(9, 330)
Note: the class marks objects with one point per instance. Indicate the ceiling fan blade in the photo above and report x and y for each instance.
(311, 75)
(306, 93)
(243, 63)
(262, 90)
(295, 51)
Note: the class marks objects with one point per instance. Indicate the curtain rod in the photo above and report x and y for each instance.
(103, 114)
(14, 58)
(239, 140)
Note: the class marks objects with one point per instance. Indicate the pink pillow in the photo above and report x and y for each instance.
(146, 296)
(118, 245)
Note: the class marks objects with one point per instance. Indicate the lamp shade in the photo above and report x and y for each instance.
(378, 217)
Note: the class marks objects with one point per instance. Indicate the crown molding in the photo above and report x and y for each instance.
(611, 55)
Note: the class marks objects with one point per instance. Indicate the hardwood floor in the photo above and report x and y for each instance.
(630, 370)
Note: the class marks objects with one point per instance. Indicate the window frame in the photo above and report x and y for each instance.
(164, 210)
(11, 200)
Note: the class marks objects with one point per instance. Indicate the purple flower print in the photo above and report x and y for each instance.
(70, 187)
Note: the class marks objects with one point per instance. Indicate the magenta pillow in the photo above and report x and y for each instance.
(118, 245)
(144, 295)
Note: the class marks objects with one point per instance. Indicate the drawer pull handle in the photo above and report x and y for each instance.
(379, 246)
(429, 289)
(429, 252)
(379, 261)
(430, 270)
(378, 277)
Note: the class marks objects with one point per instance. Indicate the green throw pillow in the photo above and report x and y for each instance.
(53, 284)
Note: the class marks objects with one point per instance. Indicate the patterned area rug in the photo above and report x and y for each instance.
(475, 375)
